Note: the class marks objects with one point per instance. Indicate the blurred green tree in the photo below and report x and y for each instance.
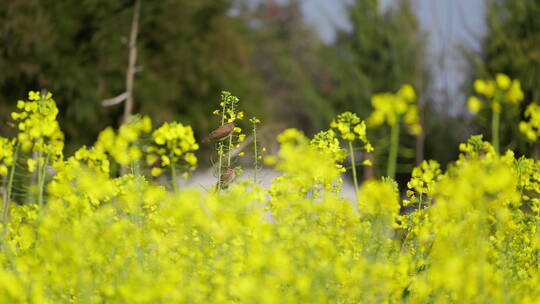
(287, 55)
(383, 49)
(188, 52)
(510, 46)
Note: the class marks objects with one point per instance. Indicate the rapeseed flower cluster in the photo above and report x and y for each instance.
(531, 126)
(229, 108)
(301, 177)
(327, 143)
(350, 127)
(474, 239)
(38, 129)
(500, 90)
(6, 155)
(393, 108)
(423, 179)
(173, 145)
(124, 146)
(95, 158)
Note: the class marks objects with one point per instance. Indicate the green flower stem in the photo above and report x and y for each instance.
(255, 154)
(4, 188)
(229, 151)
(42, 174)
(220, 151)
(353, 164)
(5, 207)
(537, 217)
(392, 156)
(135, 168)
(230, 143)
(495, 121)
(4, 192)
(173, 177)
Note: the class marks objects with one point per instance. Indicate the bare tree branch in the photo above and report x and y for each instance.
(130, 75)
(115, 100)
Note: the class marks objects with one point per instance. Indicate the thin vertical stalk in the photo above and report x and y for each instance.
(135, 168)
(220, 148)
(230, 142)
(353, 163)
(220, 153)
(173, 177)
(5, 207)
(537, 217)
(255, 163)
(392, 156)
(495, 121)
(42, 174)
(4, 189)
(4, 199)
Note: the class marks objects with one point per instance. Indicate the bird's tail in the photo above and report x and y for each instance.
(205, 140)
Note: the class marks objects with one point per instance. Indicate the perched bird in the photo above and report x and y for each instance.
(227, 177)
(220, 133)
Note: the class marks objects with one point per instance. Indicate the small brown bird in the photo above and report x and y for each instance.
(220, 133)
(227, 177)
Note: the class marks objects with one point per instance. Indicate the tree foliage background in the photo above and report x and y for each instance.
(263, 51)
(188, 52)
(511, 47)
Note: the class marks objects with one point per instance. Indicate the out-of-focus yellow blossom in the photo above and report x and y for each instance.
(39, 130)
(367, 162)
(327, 143)
(503, 81)
(379, 199)
(423, 180)
(531, 125)
(515, 95)
(173, 144)
(270, 160)
(476, 148)
(6, 155)
(485, 87)
(497, 92)
(31, 163)
(94, 158)
(100, 239)
(389, 108)
(123, 147)
(407, 92)
(474, 104)
(300, 176)
(156, 171)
